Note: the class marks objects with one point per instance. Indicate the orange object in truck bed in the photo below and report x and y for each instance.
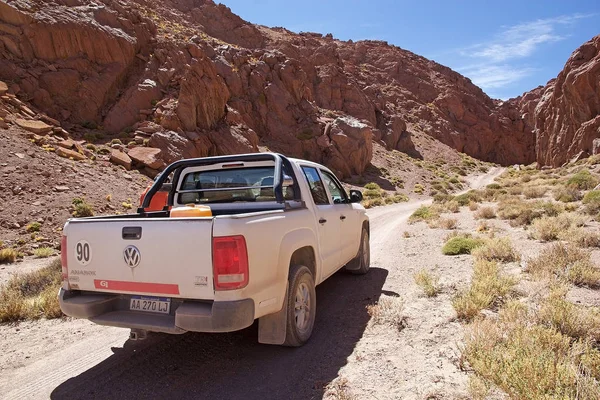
(159, 201)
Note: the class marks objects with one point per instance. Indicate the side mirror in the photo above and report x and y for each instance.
(355, 196)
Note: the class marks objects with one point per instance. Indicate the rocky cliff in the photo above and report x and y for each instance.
(567, 120)
(189, 78)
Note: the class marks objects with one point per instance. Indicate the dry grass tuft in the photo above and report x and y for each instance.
(452, 206)
(567, 194)
(581, 237)
(473, 206)
(583, 180)
(43, 252)
(565, 262)
(32, 295)
(534, 192)
(497, 249)
(443, 223)
(485, 213)
(388, 311)
(8, 256)
(428, 282)
(569, 319)
(489, 287)
(531, 361)
(553, 228)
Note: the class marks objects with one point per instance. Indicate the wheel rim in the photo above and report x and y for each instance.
(365, 250)
(302, 306)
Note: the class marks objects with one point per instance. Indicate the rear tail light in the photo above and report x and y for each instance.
(63, 262)
(230, 262)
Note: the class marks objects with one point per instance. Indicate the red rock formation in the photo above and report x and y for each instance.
(198, 80)
(567, 120)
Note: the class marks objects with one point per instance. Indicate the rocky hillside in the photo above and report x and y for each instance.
(567, 117)
(197, 80)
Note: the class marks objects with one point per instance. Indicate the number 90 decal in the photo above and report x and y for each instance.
(83, 252)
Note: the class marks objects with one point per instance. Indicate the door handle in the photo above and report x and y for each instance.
(342, 217)
(322, 220)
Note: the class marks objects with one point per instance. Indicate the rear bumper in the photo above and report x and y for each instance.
(185, 315)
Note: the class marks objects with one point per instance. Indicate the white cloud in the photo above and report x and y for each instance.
(495, 76)
(519, 41)
(499, 61)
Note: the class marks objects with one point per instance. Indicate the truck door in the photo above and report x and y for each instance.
(350, 220)
(328, 222)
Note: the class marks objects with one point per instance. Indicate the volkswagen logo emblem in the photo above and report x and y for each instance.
(132, 256)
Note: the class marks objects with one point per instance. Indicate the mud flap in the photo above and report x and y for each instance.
(271, 328)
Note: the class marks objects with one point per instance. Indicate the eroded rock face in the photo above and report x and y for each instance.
(189, 78)
(567, 119)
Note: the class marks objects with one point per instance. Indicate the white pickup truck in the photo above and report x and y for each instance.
(278, 227)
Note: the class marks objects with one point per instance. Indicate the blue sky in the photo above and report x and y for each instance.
(505, 47)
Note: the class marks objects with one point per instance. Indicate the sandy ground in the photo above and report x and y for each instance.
(77, 359)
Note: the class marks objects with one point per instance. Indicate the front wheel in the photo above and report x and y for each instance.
(361, 264)
(301, 306)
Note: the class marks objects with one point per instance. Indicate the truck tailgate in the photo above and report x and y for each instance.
(166, 257)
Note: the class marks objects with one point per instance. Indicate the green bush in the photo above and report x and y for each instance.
(33, 227)
(592, 202)
(465, 198)
(583, 180)
(372, 186)
(460, 245)
(423, 213)
(81, 208)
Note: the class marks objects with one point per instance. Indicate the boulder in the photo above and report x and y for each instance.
(353, 141)
(120, 158)
(66, 153)
(38, 127)
(147, 156)
(3, 88)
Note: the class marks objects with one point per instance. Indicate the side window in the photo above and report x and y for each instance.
(316, 185)
(338, 194)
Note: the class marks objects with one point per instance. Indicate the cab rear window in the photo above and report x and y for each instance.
(250, 184)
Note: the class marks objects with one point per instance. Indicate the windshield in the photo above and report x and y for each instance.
(249, 181)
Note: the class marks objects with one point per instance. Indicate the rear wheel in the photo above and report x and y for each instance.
(301, 306)
(361, 264)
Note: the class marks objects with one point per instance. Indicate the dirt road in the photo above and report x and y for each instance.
(76, 359)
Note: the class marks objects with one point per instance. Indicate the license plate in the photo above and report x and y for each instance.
(150, 304)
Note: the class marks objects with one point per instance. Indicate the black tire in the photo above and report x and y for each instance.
(301, 284)
(361, 264)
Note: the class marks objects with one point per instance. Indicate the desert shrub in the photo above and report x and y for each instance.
(32, 295)
(372, 193)
(488, 287)
(372, 186)
(497, 249)
(591, 200)
(583, 180)
(485, 213)
(419, 189)
(460, 245)
(8, 256)
(494, 186)
(452, 206)
(423, 213)
(399, 198)
(515, 190)
(569, 319)
(43, 252)
(444, 223)
(534, 192)
(554, 228)
(473, 206)
(81, 208)
(441, 198)
(529, 361)
(565, 262)
(369, 203)
(33, 227)
(581, 237)
(427, 282)
(567, 194)
(388, 311)
(466, 198)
